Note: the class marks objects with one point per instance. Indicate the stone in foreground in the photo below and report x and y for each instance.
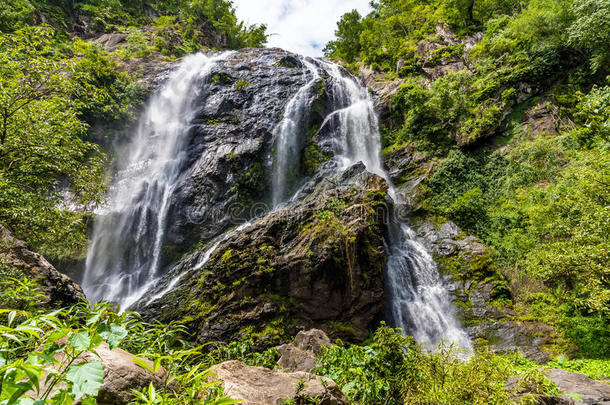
(579, 386)
(121, 374)
(300, 355)
(261, 386)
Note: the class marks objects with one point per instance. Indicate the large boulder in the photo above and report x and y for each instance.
(300, 355)
(576, 389)
(294, 359)
(579, 387)
(57, 288)
(261, 386)
(312, 340)
(121, 374)
(525, 391)
(317, 263)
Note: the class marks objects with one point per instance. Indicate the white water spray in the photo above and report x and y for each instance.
(417, 300)
(287, 136)
(124, 257)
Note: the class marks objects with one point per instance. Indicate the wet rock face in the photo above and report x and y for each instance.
(408, 169)
(543, 119)
(226, 178)
(57, 288)
(317, 263)
(481, 294)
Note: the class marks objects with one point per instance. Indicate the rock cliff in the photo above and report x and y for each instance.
(314, 263)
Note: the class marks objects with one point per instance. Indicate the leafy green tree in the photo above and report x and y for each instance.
(42, 144)
(347, 46)
(591, 31)
(13, 13)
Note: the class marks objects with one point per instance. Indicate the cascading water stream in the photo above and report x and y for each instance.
(178, 277)
(417, 300)
(287, 136)
(124, 256)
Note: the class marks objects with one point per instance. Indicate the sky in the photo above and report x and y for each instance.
(301, 26)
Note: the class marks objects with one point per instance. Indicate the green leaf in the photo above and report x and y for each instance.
(225, 401)
(88, 401)
(18, 389)
(55, 336)
(113, 334)
(12, 337)
(61, 397)
(142, 363)
(157, 364)
(95, 317)
(40, 359)
(34, 374)
(152, 393)
(79, 341)
(96, 340)
(86, 378)
(30, 401)
(11, 317)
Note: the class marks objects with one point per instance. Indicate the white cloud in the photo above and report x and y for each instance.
(301, 26)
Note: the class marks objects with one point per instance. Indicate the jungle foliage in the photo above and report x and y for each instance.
(538, 198)
(39, 360)
(189, 25)
(51, 93)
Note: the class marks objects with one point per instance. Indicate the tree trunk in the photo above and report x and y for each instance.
(469, 10)
(4, 129)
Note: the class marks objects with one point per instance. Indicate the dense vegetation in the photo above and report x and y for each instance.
(538, 198)
(390, 369)
(63, 101)
(519, 134)
(170, 26)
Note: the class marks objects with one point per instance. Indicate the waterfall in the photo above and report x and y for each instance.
(287, 136)
(124, 256)
(417, 300)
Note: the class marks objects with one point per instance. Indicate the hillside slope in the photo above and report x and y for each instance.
(497, 117)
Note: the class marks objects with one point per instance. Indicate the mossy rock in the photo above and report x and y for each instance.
(315, 263)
